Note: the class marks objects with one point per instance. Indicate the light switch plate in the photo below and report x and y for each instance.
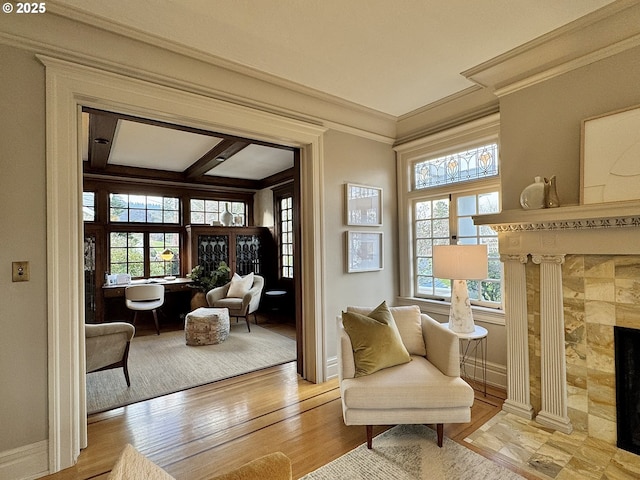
(20, 271)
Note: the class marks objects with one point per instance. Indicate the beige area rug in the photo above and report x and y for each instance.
(164, 364)
(410, 452)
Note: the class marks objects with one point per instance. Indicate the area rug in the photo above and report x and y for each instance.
(410, 452)
(163, 364)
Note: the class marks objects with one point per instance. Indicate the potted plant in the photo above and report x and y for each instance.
(203, 282)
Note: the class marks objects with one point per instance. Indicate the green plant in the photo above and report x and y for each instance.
(216, 278)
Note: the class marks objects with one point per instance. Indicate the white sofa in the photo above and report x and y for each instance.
(426, 390)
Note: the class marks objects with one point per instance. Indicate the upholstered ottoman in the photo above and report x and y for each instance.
(206, 326)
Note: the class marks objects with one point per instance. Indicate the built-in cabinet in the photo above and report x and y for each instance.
(244, 249)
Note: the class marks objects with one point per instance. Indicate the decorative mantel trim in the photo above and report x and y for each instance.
(573, 217)
(569, 224)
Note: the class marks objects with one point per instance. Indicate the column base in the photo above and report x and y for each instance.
(519, 409)
(553, 421)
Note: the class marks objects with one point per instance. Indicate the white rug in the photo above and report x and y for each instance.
(410, 452)
(164, 364)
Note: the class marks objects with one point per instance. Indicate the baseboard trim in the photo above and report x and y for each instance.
(25, 463)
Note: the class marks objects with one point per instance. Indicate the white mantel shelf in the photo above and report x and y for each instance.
(606, 215)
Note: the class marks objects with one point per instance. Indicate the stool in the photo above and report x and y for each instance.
(206, 326)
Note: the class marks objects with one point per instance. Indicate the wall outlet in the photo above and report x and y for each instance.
(20, 271)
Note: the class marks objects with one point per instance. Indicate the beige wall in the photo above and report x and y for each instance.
(23, 343)
(350, 159)
(540, 125)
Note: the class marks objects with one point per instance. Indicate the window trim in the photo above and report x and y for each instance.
(474, 133)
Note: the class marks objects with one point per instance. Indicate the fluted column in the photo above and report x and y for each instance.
(518, 399)
(552, 346)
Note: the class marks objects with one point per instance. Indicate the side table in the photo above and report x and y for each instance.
(470, 343)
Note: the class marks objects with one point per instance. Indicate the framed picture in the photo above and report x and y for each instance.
(610, 166)
(364, 251)
(363, 205)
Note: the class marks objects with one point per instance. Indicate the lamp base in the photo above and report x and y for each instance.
(460, 316)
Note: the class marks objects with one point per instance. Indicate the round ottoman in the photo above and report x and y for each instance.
(206, 326)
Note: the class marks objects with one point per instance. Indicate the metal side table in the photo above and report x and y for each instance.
(470, 345)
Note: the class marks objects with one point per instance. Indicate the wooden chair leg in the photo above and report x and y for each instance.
(155, 319)
(246, 319)
(440, 430)
(125, 367)
(369, 436)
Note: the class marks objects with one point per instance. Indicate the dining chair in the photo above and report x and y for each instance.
(147, 297)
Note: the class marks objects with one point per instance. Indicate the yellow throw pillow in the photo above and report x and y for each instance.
(375, 340)
(240, 285)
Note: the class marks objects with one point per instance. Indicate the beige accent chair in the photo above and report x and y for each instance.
(107, 346)
(238, 307)
(145, 297)
(426, 390)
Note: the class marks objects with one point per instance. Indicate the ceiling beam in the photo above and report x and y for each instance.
(211, 159)
(102, 129)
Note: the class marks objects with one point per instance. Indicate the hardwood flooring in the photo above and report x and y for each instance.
(211, 429)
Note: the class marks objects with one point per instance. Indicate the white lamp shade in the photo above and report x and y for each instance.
(460, 262)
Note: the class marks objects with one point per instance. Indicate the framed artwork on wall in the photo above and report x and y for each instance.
(610, 157)
(364, 251)
(363, 205)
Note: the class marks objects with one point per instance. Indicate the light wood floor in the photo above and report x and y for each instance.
(214, 428)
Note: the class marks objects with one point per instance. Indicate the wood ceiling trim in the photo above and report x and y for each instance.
(102, 129)
(209, 161)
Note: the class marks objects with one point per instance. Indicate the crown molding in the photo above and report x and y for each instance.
(320, 108)
(608, 31)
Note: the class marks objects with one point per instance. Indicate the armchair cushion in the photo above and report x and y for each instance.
(239, 286)
(375, 340)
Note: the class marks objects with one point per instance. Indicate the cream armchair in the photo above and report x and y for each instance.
(238, 306)
(426, 390)
(107, 346)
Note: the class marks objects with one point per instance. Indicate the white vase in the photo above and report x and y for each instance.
(532, 197)
(226, 217)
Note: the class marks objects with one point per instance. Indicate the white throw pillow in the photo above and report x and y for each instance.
(240, 285)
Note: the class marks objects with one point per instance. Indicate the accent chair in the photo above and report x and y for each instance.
(240, 301)
(107, 346)
(424, 388)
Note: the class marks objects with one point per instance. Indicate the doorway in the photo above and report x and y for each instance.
(71, 86)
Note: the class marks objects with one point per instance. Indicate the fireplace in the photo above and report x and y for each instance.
(627, 347)
(572, 275)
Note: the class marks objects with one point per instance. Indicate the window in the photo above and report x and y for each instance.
(286, 236)
(158, 244)
(444, 220)
(128, 251)
(143, 209)
(126, 254)
(207, 212)
(450, 177)
(89, 206)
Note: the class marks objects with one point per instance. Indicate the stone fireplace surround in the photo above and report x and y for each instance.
(571, 275)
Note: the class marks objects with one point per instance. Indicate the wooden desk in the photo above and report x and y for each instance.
(177, 285)
(177, 300)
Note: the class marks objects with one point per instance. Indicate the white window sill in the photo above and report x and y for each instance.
(440, 307)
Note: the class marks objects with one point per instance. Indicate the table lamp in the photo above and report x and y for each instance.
(167, 255)
(460, 263)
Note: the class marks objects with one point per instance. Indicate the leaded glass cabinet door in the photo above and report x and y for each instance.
(248, 252)
(212, 249)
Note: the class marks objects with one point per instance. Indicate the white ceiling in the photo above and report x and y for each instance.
(391, 56)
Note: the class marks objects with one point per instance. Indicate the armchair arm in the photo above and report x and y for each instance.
(346, 361)
(251, 299)
(217, 293)
(443, 346)
(101, 329)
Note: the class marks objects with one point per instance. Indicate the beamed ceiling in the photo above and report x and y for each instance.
(122, 146)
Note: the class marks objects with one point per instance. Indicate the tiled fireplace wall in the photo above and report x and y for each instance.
(599, 292)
